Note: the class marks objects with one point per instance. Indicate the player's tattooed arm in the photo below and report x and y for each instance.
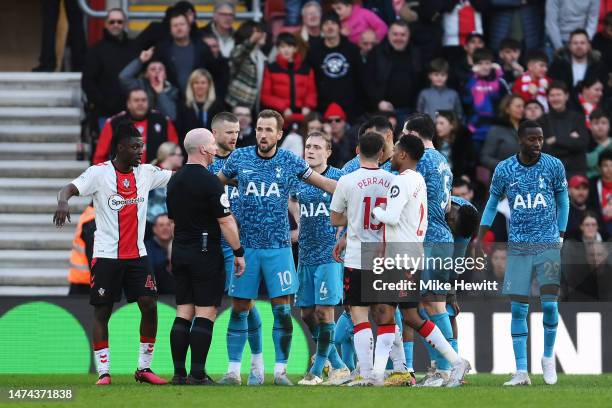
(322, 182)
(63, 210)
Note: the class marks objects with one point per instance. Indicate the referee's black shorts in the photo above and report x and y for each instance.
(200, 276)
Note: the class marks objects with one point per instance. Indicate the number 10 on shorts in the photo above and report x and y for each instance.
(285, 280)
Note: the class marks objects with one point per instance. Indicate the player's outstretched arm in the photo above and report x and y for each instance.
(63, 209)
(487, 220)
(322, 182)
(229, 229)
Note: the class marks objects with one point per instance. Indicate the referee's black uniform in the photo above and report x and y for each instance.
(196, 198)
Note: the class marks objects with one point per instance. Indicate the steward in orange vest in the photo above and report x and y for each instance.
(81, 253)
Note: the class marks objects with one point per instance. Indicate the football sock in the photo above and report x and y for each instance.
(454, 345)
(147, 345)
(442, 321)
(396, 355)
(200, 338)
(550, 320)
(433, 335)
(344, 338)
(254, 329)
(333, 356)
(431, 352)
(179, 344)
(409, 353)
(255, 337)
(102, 357)
(236, 339)
(519, 331)
(385, 336)
(326, 334)
(364, 345)
(282, 332)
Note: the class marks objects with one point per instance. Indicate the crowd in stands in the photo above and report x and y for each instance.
(477, 67)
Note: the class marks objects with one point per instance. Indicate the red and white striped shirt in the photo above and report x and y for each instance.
(120, 200)
(460, 22)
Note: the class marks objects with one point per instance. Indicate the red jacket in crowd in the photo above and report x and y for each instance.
(289, 85)
(155, 129)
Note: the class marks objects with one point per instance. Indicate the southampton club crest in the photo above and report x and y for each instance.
(126, 183)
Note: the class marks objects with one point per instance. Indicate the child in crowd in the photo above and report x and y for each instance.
(600, 132)
(534, 83)
(438, 97)
(483, 92)
(289, 83)
(356, 19)
(509, 54)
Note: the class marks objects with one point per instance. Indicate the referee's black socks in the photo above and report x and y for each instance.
(179, 343)
(200, 338)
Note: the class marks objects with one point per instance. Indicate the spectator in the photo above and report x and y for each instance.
(497, 268)
(533, 110)
(461, 19)
(565, 16)
(79, 275)
(76, 35)
(313, 122)
(393, 72)
(162, 95)
(338, 69)
(463, 62)
(578, 188)
(159, 248)
(246, 137)
(576, 63)
(367, 41)
(533, 84)
(169, 157)
(602, 42)
(600, 133)
(589, 97)
(509, 54)
(200, 105)
(462, 187)
(502, 139)
(181, 55)
(581, 258)
(159, 31)
(356, 19)
(288, 83)
(311, 22)
(222, 26)
(483, 93)
(247, 64)
(222, 76)
(343, 147)
(453, 141)
(154, 127)
(438, 97)
(103, 63)
(600, 191)
(565, 134)
(589, 228)
(293, 140)
(502, 22)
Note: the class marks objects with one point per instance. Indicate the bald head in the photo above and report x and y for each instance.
(196, 138)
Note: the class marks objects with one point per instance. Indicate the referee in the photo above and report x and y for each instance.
(200, 209)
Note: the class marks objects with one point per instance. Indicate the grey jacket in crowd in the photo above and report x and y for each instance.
(501, 143)
(164, 102)
(432, 100)
(565, 16)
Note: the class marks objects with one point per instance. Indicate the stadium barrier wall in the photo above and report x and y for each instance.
(44, 335)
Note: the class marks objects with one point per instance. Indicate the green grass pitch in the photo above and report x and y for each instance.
(482, 390)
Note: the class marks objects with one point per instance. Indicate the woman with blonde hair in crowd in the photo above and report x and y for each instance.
(200, 105)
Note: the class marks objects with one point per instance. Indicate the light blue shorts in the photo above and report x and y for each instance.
(520, 270)
(276, 267)
(319, 285)
(228, 261)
